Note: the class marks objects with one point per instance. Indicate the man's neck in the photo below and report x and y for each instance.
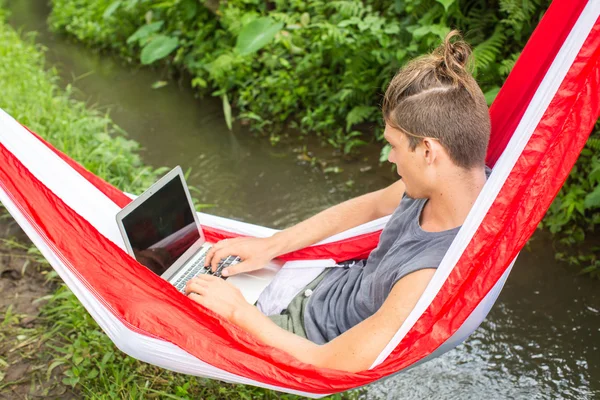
(450, 203)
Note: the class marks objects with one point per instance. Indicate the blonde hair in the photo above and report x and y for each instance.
(436, 96)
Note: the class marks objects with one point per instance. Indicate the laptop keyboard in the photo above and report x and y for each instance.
(197, 268)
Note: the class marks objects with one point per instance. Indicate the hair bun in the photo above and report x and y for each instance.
(457, 51)
(454, 57)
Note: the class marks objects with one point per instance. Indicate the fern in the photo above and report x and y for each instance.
(593, 143)
(287, 19)
(520, 14)
(508, 64)
(426, 6)
(519, 10)
(478, 20)
(486, 52)
(359, 63)
(358, 114)
(348, 8)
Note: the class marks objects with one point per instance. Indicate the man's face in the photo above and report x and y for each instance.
(409, 165)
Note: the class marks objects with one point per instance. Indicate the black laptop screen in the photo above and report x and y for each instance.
(162, 228)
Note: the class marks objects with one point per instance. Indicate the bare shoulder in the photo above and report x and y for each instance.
(388, 199)
(407, 291)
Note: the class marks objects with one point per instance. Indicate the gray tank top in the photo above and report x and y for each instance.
(349, 295)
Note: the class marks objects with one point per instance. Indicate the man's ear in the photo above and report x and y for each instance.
(430, 150)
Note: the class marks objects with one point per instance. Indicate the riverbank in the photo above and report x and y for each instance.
(53, 347)
(25, 284)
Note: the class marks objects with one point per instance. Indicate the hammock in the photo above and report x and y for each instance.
(541, 120)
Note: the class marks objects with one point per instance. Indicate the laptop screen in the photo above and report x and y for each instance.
(162, 228)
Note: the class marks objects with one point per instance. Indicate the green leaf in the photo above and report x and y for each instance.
(92, 374)
(439, 30)
(70, 381)
(158, 48)
(305, 19)
(352, 144)
(385, 152)
(189, 9)
(486, 52)
(199, 82)
(358, 114)
(592, 200)
(165, 4)
(446, 3)
(491, 94)
(107, 356)
(111, 9)
(159, 84)
(227, 111)
(52, 366)
(130, 4)
(256, 35)
(144, 31)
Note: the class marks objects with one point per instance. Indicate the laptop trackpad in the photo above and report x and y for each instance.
(252, 284)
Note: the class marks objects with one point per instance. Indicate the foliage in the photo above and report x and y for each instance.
(256, 35)
(158, 47)
(89, 360)
(323, 64)
(574, 215)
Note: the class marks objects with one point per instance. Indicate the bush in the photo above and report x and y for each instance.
(574, 215)
(324, 71)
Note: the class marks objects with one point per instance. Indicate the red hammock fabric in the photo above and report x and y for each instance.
(147, 305)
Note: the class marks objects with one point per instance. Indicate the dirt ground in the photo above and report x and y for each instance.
(24, 361)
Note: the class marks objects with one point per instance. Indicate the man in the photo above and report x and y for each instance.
(438, 127)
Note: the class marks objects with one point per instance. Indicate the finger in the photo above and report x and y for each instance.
(222, 243)
(196, 287)
(237, 269)
(200, 279)
(219, 254)
(197, 298)
(209, 256)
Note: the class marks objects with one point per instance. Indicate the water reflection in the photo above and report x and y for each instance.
(539, 341)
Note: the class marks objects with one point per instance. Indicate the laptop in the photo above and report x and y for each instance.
(161, 230)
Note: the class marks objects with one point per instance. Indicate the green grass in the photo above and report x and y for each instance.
(68, 338)
(31, 95)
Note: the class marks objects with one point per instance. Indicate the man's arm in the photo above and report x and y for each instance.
(339, 218)
(256, 253)
(351, 351)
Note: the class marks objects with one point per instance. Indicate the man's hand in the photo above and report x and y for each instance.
(255, 253)
(217, 295)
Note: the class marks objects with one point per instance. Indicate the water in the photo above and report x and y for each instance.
(539, 341)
